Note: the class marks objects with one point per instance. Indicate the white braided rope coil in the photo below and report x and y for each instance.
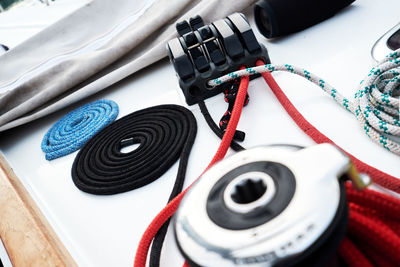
(376, 103)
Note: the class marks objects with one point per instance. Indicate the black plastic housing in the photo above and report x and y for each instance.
(276, 18)
(394, 41)
(205, 52)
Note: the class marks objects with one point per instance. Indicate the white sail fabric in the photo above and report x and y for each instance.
(91, 49)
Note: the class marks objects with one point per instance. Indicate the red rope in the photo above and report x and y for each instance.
(378, 176)
(375, 233)
(374, 218)
(169, 210)
(375, 256)
(350, 253)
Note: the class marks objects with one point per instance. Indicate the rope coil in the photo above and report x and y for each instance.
(73, 130)
(162, 133)
(348, 251)
(376, 103)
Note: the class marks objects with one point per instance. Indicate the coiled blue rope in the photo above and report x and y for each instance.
(73, 130)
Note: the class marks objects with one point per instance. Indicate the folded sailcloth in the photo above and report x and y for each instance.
(91, 49)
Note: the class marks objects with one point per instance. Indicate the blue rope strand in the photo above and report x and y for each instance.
(73, 130)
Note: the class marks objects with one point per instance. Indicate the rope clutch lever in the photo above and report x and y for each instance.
(205, 52)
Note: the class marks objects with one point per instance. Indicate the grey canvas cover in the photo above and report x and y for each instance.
(91, 49)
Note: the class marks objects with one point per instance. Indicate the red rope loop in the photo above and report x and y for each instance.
(373, 236)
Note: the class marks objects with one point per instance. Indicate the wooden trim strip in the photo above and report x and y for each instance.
(25, 232)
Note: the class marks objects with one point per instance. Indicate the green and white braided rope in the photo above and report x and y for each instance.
(376, 103)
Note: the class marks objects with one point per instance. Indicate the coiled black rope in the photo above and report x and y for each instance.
(164, 134)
